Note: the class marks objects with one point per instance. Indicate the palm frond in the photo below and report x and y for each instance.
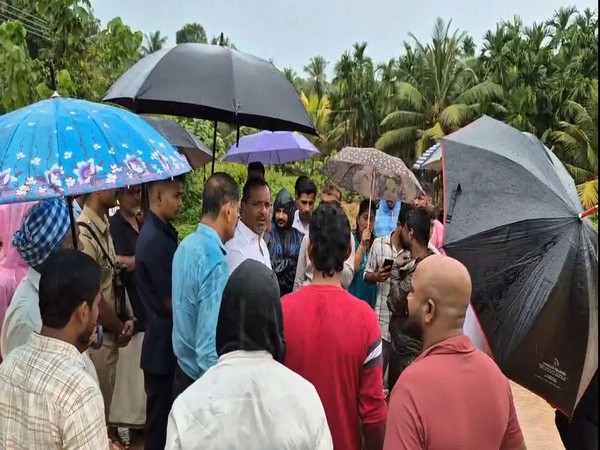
(400, 119)
(396, 138)
(588, 193)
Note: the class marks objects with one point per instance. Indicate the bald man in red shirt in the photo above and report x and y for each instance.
(453, 396)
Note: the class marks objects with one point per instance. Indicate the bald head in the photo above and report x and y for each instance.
(445, 280)
(440, 296)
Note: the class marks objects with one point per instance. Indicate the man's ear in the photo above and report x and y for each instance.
(310, 251)
(349, 250)
(429, 311)
(82, 312)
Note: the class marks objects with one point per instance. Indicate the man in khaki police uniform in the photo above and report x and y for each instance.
(97, 242)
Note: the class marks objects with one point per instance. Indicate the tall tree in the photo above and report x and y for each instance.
(440, 97)
(316, 74)
(191, 32)
(576, 143)
(154, 42)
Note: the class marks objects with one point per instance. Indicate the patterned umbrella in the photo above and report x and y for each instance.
(67, 147)
(372, 173)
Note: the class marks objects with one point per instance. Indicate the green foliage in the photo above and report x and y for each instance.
(191, 32)
(540, 78)
(20, 73)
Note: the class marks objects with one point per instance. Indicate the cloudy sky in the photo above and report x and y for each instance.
(290, 32)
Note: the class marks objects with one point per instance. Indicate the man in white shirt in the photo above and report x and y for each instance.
(304, 269)
(255, 213)
(306, 194)
(249, 399)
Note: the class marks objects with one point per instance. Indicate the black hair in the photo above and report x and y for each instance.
(299, 180)
(329, 232)
(69, 278)
(156, 184)
(249, 186)
(256, 166)
(305, 186)
(219, 190)
(364, 206)
(418, 220)
(405, 208)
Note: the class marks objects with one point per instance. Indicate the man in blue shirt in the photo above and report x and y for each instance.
(200, 273)
(386, 218)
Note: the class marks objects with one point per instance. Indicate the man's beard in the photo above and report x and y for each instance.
(412, 328)
(84, 338)
(304, 217)
(281, 224)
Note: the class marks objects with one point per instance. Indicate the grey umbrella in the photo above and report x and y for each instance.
(514, 219)
(214, 83)
(196, 152)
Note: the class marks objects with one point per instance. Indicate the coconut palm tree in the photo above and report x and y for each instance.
(154, 42)
(576, 144)
(316, 74)
(319, 110)
(442, 96)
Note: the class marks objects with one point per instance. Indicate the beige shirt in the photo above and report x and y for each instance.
(304, 269)
(92, 248)
(23, 318)
(48, 401)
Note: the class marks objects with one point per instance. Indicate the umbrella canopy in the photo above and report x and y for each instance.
(372, 173)
(68, 147)
(512, 218)
(430, 160)
(269, 147)
(196, 152)
(214, 83)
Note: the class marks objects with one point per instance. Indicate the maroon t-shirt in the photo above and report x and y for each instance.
(333, 341)
(452, 397)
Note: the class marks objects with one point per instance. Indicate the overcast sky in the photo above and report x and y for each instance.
(291, 32)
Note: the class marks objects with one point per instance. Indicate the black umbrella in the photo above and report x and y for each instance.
(513, 218)
(196, 152)
(214, 83)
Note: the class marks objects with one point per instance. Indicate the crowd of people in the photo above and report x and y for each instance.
(274, 325)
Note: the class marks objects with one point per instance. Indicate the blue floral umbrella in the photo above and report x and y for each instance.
(67, 147)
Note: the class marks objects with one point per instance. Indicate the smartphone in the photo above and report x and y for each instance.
(387, 262)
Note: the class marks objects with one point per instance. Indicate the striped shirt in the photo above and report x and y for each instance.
(381, 250)
(48, 401)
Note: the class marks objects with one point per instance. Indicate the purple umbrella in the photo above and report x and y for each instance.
(271, 147)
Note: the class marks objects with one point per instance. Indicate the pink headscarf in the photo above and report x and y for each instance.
(12, 267)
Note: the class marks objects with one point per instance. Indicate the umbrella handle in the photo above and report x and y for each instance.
(371, 198)
(450, 208)
(588, 212)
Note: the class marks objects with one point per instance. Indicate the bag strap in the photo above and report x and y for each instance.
(95, 237)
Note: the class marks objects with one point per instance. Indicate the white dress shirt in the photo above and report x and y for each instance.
(298, 225)
(246, 244)
(248, 401)
(23, 318)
